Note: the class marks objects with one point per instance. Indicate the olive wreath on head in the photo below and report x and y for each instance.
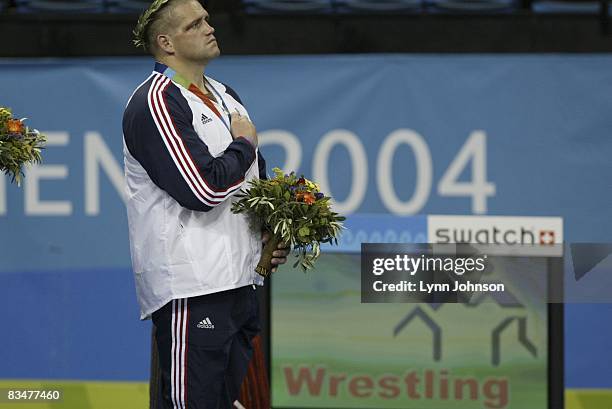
(144, 21)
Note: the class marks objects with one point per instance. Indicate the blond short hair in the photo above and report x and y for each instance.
(149, 23)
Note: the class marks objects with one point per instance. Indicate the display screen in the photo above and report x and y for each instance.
(328, 350)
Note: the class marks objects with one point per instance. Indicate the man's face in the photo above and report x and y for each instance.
(192, 36)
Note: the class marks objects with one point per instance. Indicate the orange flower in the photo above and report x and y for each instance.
(14, 126)
(309, 198)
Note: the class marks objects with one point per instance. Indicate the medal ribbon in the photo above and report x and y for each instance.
(174, 76)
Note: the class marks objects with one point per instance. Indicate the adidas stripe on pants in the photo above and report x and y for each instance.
(204, 346)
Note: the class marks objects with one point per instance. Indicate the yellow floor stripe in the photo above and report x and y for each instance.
(85, 395)
(588, 399)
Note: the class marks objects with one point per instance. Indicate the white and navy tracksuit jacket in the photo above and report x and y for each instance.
(182, 167)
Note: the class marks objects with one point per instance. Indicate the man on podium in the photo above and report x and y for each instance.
(189, 146)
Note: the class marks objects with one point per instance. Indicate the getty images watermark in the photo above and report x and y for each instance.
(438, 273)
(411, 265)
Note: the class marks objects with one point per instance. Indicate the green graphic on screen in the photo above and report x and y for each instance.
(330, 351)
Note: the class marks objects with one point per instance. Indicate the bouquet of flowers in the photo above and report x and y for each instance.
(294, 212)
(18, 145)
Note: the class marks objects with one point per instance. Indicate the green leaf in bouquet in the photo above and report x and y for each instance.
(278, 191)
(277, 172)
(253, 201)
(316, 249)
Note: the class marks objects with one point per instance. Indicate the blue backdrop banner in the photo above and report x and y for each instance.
(386, 134)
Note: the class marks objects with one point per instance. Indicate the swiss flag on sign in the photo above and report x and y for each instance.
(547, 237)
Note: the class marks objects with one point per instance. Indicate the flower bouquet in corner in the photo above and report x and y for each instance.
(294, 211)
(19, 144)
